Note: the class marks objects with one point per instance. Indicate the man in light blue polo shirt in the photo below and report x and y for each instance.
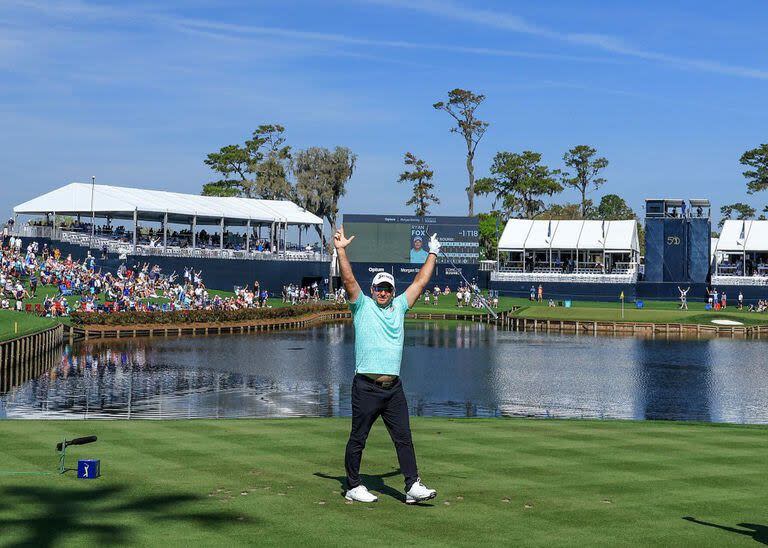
(377, 389)
(418, 254)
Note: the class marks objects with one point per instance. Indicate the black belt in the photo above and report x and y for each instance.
(386, 385)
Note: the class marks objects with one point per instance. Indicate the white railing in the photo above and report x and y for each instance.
(617, 268)
(27, 231)
(719, 279)
(559, 276)
(126, 248)
(730, 271)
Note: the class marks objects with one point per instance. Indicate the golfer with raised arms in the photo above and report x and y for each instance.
(377, 389)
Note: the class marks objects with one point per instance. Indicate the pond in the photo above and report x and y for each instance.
(449, 369)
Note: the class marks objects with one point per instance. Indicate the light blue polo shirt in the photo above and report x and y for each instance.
(420, 256)
(378, 335)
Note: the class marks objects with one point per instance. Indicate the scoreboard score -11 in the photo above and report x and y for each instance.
(405, 239)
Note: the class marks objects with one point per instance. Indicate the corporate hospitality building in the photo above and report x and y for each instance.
(239, 240)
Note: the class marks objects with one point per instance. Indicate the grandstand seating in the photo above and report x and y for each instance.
(121, 248)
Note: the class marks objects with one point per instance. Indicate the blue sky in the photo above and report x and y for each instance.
(138, 93)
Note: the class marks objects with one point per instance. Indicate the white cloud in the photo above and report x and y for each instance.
(76, 11)
(606, 43)
(226, 30)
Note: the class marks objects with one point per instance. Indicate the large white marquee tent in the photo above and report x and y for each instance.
(118, 202)
(741, 253)
(527, 234)
(743, 237)
(535, 242)
(137, 204)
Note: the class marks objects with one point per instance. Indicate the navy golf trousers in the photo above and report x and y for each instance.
(369, 400)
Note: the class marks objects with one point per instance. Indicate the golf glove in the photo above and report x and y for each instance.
(434, 245)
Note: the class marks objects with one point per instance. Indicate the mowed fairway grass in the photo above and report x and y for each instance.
(501, 482)
(652, 312)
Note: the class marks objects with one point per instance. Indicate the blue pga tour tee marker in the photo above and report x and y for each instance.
(88, 469)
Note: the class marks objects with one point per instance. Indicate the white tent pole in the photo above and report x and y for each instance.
(53, 232)
(165, 230)
(221, 235)
(194, 229)
(604, 240)
(576, 266)
(248, 237)
(135, 226)
(93, 212)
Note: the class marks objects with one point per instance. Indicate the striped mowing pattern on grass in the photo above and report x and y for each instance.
(500, 482)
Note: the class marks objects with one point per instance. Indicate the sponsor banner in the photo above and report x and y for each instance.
(405, 239)
(404, 273)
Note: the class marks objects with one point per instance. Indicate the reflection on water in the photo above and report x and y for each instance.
(454, 369)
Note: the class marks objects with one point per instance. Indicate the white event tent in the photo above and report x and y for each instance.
(136, 204)
(743, 237)
(742, 249)
(579, 238)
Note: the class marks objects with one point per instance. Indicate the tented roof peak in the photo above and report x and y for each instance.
(520, 234)
(153, 205)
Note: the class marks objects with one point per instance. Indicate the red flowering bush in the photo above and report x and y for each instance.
(200, 316)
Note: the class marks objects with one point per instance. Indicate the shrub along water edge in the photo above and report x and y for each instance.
(200, 316)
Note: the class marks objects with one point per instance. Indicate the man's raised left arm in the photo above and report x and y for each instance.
(425, 273)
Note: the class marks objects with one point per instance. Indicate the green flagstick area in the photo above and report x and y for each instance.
(16, 324)
(507, 482)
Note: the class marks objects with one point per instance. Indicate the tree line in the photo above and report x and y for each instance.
(266, 167)
(756, 174)
(519, 184)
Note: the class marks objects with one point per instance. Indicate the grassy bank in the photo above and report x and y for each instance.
(652, 312)
(501, 482)
(15, 324)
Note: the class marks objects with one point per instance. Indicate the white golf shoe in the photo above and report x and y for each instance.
(419, 493)
(361, 494)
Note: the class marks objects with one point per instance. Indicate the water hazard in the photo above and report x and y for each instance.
(453, 369)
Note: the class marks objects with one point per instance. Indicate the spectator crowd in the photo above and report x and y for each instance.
(70, 284)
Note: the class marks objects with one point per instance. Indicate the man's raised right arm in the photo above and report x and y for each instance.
(340, 242)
